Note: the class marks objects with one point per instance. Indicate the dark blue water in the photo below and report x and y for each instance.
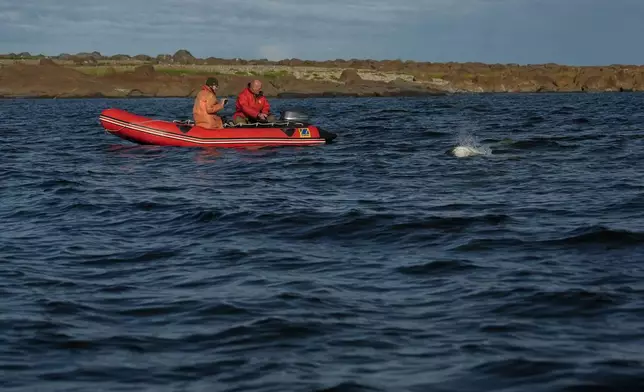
(378, 263)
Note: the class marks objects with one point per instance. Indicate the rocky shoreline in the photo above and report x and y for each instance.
(181, 75)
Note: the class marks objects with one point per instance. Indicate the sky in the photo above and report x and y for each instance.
(573, 32)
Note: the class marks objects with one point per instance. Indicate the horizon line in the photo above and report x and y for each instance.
(13, 55)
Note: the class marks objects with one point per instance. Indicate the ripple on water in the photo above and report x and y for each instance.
(377, 263)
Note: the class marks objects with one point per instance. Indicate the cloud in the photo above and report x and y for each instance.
(220, 28)
(520, 31)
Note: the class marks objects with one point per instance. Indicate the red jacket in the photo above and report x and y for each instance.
(250, 106)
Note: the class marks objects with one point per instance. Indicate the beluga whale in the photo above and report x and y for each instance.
(467, 151)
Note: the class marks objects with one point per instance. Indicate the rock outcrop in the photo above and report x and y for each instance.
(181, 74)
(52, 80)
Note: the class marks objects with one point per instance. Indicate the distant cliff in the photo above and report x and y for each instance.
(181, 74)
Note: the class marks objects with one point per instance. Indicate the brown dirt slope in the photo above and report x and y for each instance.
(181, 74)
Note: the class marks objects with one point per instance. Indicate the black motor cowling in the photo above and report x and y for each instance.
(300, 116)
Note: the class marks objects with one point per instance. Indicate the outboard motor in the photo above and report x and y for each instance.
(294, 115)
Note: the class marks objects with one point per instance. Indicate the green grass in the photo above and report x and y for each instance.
(102, 70)
(275, 74)
(185, 71)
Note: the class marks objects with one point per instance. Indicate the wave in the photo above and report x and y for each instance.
(356, 225)
(519, 368)
(349, 386)
(376, 263)
(557, 303)
(438, 267)
(599, 236)
(539, 143)
(593, 236)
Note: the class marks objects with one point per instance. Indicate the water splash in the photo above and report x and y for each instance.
(467, 145)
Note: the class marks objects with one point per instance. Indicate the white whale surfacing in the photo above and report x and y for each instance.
(468, 146)
(465, 151)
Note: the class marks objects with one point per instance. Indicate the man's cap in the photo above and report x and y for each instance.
(212, 81)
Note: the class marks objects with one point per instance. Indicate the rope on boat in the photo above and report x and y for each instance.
(191, 123)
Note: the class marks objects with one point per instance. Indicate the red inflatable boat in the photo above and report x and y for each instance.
(290, 130)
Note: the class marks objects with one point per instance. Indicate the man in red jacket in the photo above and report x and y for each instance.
(252, 105)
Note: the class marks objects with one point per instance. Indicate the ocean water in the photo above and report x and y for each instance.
(381, 262)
